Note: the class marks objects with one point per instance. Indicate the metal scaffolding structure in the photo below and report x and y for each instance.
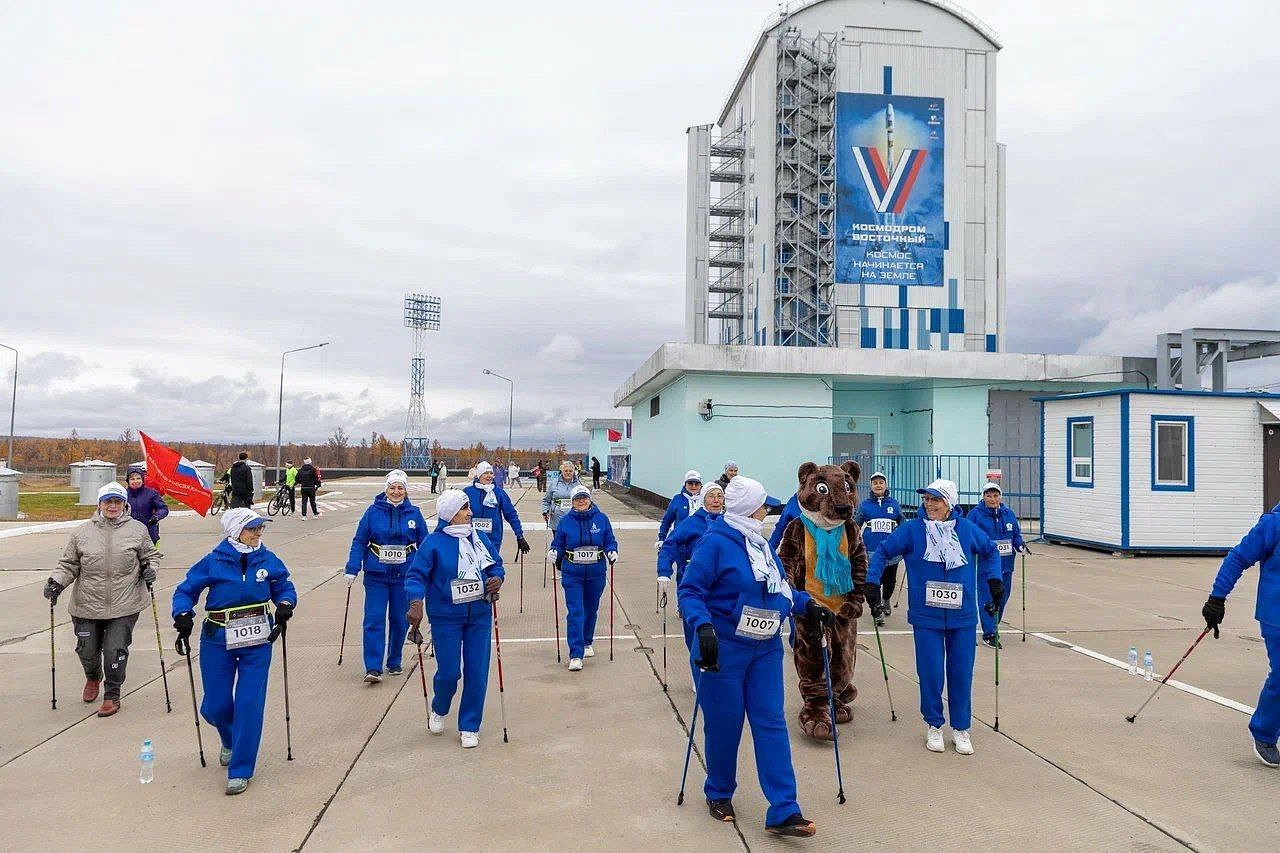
(804, 287)
(422, 315)
(727, 255)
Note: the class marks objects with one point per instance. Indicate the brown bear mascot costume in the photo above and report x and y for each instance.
(822, 554)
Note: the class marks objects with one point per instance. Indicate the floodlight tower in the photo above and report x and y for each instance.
(422, 315)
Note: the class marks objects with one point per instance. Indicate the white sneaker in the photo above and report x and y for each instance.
(964, 746)
(470, 740)
(435, 724)
(933, 741)
(589, 652)
(575, 664)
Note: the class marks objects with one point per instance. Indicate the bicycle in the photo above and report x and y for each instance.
(279, 502)
(222, 501)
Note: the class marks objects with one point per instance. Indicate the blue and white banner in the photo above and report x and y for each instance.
(889, 180)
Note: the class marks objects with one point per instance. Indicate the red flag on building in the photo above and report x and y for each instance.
(614, 435)
(170, 473)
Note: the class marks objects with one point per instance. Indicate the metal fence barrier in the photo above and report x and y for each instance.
(1018, 476)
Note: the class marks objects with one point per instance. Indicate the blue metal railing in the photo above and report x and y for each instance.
(1019, 478)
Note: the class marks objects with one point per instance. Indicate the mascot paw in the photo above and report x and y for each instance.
(816, 723)
(844, 714)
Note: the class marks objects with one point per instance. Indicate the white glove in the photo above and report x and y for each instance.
(657, 544)
(552, 555)
(351, 579)
(663, 583)
(612, 556)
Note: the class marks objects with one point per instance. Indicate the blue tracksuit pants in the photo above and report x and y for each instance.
(462, 651)
(1265, 724)
(582, 591)
(749, 684)
(945, 658)
(984, 598)
(235, 694)
(384, 601)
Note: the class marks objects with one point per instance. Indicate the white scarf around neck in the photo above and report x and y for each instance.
(243, 548)
(763, 564)
(473, 557)
(942, 545)
(490, 499)
(695, 502)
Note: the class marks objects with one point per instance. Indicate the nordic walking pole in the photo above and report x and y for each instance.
(555, 603)
(831, 705)
(164, 675)
(997, 725)
(664, 642)
(53, 661)
(611, 562)
(284, 656)
(901, 589)
(1164, 680)
(884, 668)
(521, 581)
(416, 636)
(657, 596)
(1024, 594)
(183, 648)
(502, 692)
(693, 724)
(547, 520)
(342, 644)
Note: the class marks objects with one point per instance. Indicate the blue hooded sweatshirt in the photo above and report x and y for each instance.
(589, 528)
(146, 505)
(1260, 545)
(908, 543)
(678, 547)
(435, 564)
(234, 580)
(385, 523)
(790, 513)
(719, 582)
(493, 514)
(1002, 526)
(677, 511)
(878, 517)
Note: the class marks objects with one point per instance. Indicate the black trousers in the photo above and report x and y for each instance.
(240, 500)
(595, 479)
(889, 580)
(434, 478)
(309, 496)
(291, 490)
(103, 645)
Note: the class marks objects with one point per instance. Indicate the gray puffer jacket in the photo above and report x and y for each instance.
(104, 560)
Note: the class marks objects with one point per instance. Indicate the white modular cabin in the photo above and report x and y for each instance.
(1158, 470)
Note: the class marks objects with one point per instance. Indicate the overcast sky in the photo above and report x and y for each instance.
(188, 189)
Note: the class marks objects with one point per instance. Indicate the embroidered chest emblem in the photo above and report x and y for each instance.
(412, 524)
(594, 529)
(261, 575)
(889, 510)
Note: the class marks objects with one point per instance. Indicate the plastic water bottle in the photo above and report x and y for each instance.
(147, 771)
(1149, 665)
(1133, 660)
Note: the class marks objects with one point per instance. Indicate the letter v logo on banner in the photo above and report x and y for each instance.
(889, 195)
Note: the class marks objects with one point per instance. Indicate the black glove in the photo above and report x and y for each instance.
(1214, 611)
(997, 594)
(820, 612)
(523, 545)
(183, 623)
(148, 573)
(708, 649)
(284, 611)
(52, 589)
(871, 591)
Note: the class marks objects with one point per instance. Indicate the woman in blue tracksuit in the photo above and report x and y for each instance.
(490, 504)
(243, 579)
(878, 516)
(584, 540)
(1260, 545)
(677, 548)
(457, 573)
(682, 505)
(996, 520)
(734, 597)
(389, 532)
(942, 607)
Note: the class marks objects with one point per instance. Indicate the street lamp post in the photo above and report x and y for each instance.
(13, 405)
(280, 411)
(511, 411)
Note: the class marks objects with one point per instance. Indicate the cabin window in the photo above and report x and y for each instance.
(1172, 453)
(1080, 452)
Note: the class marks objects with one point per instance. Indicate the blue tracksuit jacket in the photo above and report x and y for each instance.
(435, 564)
(583, 584)
(677, 511)
(908, 543)
(494, 514)
(878, 518)
(678, 546)
(790, 512)
(385, 601)
(234, 680)
(1001, 525)
(384, 523)
(1260, 545)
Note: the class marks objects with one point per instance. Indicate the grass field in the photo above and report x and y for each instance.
(41, 501)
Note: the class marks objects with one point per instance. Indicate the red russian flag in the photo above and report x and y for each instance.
(170, 473)
(614, 435)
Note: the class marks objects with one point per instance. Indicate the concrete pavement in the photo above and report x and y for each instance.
(595, 757)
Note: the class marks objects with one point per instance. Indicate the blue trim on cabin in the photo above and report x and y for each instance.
(888, 79)
(1172, 392)
(1124, 471)
(1072, 482)
(1190, 485)
(1140, 549)
(1042, 519)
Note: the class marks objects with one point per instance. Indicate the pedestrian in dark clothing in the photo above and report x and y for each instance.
(595, 473)
(435, 476)
(308, 481)
(241, 482)
(145, 503)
